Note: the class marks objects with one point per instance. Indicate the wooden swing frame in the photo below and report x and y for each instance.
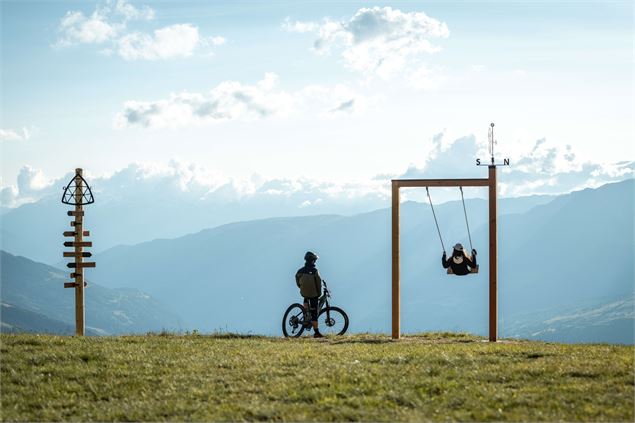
(490, 182)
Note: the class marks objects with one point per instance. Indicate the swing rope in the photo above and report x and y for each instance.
(466, 222)
(435, 219)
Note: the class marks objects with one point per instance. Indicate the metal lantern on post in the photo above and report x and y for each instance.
(77, 193)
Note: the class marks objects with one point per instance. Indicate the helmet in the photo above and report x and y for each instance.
(458, 247)
(310, 256)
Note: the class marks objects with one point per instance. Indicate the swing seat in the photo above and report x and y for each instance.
(472, 270)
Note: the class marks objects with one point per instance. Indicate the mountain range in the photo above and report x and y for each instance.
(576, 249)
(34, 300)
(565, 269)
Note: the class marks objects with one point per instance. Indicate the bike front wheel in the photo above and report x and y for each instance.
(332, 321)
(293, 321)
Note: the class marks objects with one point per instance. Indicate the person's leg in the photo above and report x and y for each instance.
(307, 312)
(314, 314)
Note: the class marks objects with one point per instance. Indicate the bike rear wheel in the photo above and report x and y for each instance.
(293, 321)
(332, 321)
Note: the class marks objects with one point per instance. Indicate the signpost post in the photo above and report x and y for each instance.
(78, 193)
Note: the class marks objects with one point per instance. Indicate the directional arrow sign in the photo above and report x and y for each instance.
(73, 284)
(78, 244)
(75, 213)
(78, 265)
(71, 233)
(73, 254)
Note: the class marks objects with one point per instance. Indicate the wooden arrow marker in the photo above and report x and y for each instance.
(73, 284)
(78, 244)
(74, 254)
(80, 265)
(72, 233)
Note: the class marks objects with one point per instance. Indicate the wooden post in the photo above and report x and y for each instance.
(396, 318)
(493, 258)
(79, 270)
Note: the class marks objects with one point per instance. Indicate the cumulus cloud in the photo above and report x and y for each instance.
(231, 100)
(79, 29)
(177, 184)
(109, 26)
(378, 41)
(537, 168)
(130, 12)
(31, 185)
(172, 41)
(228, 100)
(21, 134)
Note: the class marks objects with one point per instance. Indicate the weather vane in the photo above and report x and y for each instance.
(492, 143)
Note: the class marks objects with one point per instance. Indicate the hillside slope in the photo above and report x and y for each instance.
(436, 377)
(17, 320)
(40, 302)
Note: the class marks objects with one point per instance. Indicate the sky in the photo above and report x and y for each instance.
(280, 96)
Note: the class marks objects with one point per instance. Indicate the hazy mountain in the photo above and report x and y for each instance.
(16, 320)
(576, 249)
(613, 322)
(34, 299)
(34, 230)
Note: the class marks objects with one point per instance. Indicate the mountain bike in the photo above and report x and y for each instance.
(331, 320)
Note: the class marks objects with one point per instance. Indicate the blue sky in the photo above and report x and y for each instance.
(335, 93)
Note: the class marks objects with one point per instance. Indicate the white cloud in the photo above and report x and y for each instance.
(229, 100)
(167, 185)
(109, 24)
(79, 29)
(31, 180)
(130, 12)
(21, 134)
(217, 40)
(377, 41)
(232, 100)
(178, 40)
(536, 168)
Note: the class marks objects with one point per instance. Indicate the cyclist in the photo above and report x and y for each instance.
(308, 280)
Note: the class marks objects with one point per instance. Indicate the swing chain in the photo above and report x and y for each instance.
(435, 219)
(466, 222)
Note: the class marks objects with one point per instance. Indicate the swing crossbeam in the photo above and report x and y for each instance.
(422, 183)
(490, 183)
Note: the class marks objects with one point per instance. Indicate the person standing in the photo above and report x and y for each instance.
(308, 280)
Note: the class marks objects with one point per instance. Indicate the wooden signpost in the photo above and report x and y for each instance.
(78, 194)
(490, 183)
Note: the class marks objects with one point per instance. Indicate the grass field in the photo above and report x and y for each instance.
(362, 377)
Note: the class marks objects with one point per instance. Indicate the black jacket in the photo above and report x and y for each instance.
(459, 269)
(309, 281)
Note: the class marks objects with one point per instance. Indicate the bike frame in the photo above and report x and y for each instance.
(323, 301)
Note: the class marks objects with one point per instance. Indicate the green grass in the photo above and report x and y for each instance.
(363, 377)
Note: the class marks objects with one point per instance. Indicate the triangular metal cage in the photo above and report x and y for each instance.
(69, 196)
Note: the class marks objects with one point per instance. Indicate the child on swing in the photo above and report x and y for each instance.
(461, 263)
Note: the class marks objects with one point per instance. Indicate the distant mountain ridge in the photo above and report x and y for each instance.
(239, 277)
(117, 221)
(34, 300)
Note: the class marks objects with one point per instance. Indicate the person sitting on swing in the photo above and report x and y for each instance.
(460, 262)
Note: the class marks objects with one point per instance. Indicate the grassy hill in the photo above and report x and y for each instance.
(371, 378)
